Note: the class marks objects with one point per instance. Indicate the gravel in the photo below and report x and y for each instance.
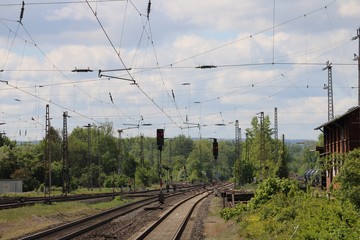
(125, 226)
(197, 232)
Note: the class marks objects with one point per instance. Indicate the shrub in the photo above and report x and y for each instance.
(267, 189)
(229, 213)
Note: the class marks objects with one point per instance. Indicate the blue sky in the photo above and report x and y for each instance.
(241, 38)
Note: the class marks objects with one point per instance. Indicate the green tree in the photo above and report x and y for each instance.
(200, 164)
(8, 162)
(282, 170)
(349, 178)
(262, 160)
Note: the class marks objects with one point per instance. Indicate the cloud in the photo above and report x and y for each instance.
(235, 36)
(350, 9)
(69, 12)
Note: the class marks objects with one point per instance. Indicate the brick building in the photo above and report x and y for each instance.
(341, 135)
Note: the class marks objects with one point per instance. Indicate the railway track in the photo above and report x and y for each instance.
(8, 203)
(124, 221)
(172, 223)
(77, 228)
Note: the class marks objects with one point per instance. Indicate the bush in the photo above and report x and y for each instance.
(349, 178)
(267, 189)
(229, 213)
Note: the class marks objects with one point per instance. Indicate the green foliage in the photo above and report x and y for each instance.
(143, 177)
(282, 170)
(301, 158)
(230, 213)
(272, 186)
(349, 178)
(296, 216)
(115, 180)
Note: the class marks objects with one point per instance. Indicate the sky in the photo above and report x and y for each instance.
(189, 67)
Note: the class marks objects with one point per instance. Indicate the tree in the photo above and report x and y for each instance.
(349, 178)
(200, 163)
(258, 155)
(282, 168)
(5, 141)
(7, 162)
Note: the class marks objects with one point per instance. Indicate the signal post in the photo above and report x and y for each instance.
(160, 144)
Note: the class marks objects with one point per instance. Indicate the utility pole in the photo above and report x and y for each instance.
(47, 160)
(237, 139)
(120, 153)
(247, 147)
(357, 58)
(142, 158)
(276, 132)
(329, 87)
(65, 152)
(98, 155)
(160, 144)
(283, 148)
(89, 157)
(237, 153)
(262, 144)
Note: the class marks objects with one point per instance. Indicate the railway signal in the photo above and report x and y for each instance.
(215, 148)
(160, 138)
(160, 144)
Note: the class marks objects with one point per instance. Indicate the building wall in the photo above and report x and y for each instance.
(340, 136)
(10, 186)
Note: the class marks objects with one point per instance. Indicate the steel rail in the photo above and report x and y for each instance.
(79, 227)
(83, 225)
(182, 226)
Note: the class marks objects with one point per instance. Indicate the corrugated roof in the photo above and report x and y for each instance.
(350, 110)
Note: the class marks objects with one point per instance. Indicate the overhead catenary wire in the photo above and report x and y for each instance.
(221, 66)
(58, 2)
(252, 35)
(32, 41)
(128, 72)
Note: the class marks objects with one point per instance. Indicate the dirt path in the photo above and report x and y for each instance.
(216, 228)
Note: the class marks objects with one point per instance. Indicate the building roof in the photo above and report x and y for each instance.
(350, 110)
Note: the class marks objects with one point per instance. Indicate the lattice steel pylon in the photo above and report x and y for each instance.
(65, 152)
(120, 153)
(47, 159)
(238, 162)
(329, 87)
(237, 139)
(262, 145)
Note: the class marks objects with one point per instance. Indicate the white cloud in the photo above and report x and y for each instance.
(186, 34)
(349, 8)
(70, 12)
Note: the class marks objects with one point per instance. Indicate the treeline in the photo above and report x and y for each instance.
(96, 158)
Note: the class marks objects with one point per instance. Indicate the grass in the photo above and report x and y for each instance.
(215, 227)
(249, 187)
(57, 192)
(19, 221)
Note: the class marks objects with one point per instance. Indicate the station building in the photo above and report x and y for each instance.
(341, 135)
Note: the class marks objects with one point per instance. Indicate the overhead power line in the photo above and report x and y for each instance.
(59, 2)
